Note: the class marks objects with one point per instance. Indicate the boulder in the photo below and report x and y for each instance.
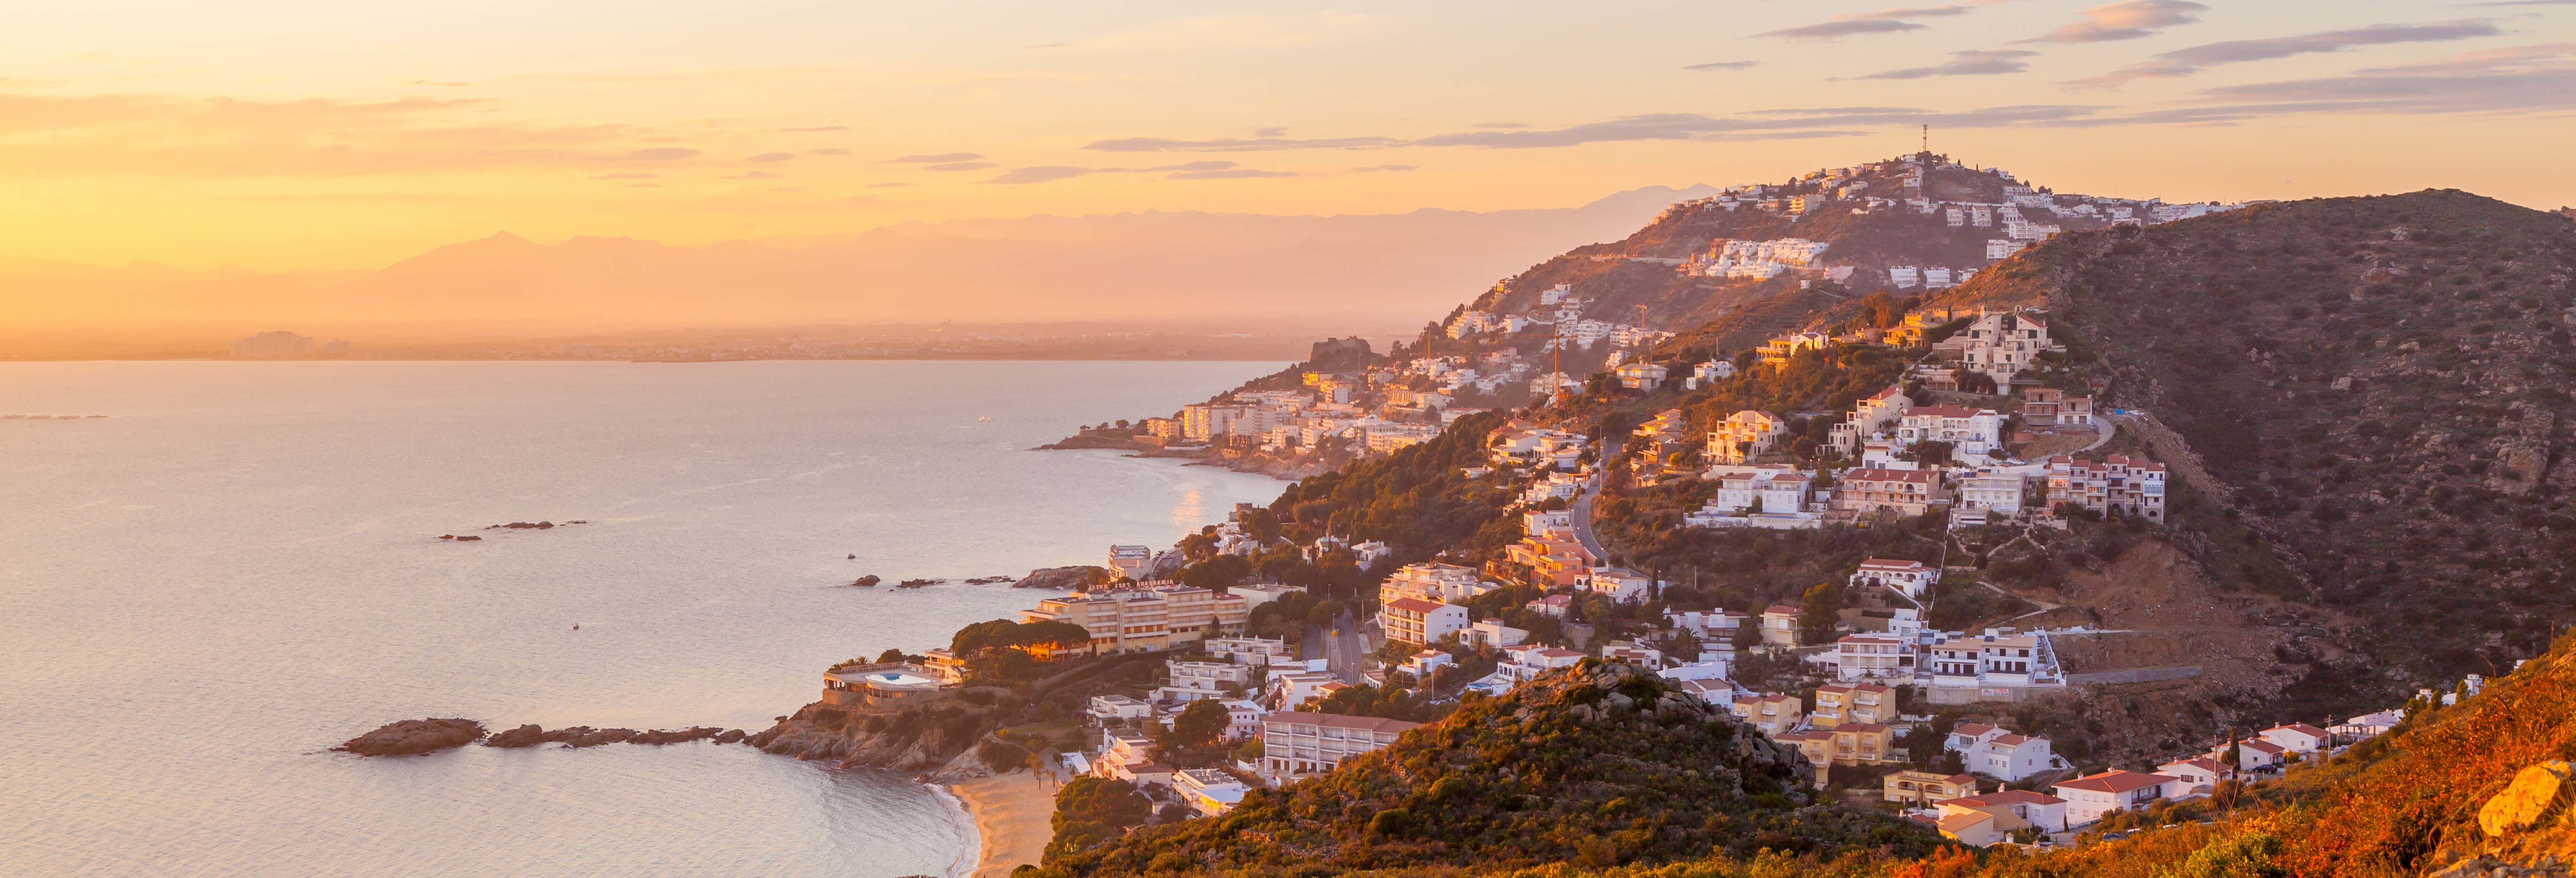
(528, 735)
(2534, 793)
(867, 581)
(414, 736)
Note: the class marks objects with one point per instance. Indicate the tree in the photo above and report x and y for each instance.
(1092, 810)
(1198, 726)
(1822, 608)
(889, 656)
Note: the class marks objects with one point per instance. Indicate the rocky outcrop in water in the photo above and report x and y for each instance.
(1065, 578)
(868, 581)
(584, 736)
(414, 736)
(919, 738)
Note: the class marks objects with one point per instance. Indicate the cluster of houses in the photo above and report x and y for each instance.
(2019, 215)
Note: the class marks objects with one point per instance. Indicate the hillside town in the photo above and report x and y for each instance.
(1985, 432)
(1527, 340)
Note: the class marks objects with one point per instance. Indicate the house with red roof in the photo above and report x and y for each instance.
(2299, 738)
(2091, 796)
(2007, 811)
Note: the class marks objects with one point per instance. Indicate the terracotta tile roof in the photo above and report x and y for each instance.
(2301, 728)
(1414, 605)
(1963, 820)
(2006, 797)
(2115, 781)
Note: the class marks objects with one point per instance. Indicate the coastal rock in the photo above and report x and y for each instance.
(731, 736)
(414, 736)
(528, 735)
(917, 583)
(1065, 578)
(868, 581)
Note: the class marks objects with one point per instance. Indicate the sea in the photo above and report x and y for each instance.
(240, 566)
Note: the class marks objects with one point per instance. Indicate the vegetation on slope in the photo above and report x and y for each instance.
(1598, 765)
(2379, 387)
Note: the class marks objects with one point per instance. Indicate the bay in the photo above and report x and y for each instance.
(240, 566)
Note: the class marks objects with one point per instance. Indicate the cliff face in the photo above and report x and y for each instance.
(920, 737)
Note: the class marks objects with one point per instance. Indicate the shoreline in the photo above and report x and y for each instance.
(1013, 817)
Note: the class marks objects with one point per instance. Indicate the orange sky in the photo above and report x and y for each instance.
(305, 135)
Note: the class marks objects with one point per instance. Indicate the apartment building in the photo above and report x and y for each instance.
(1904, 492)
(1992, 491)
(1774, 714)
(2001, 345)
(1296, 743)
(1839, 704)
(1970, 432)
(1874, 657)
(2050, 407)
(2120, 484)
(1145, 619)
(1195, 681)
(1924, 788)
(1619, 584)
(1871, 415)
(2010, 757)
(1254, 651)
(1420, 622)
(1554, 561)
(1780, 625)
(1744, 436)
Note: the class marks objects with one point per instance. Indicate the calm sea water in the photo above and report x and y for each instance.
(239, 568)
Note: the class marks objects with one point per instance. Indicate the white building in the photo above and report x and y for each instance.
(2090, 797)
(1969, 431)
(2299, 738)
(1993, 491)
(1873, 657)
(1255, 651)
(1197, 681)
(1913, 579)
(1418, 621)
(1208, 791)
(1132, 562)
(1493, 633)
(2010, 757)
(1745, 435)
(1296, 744)
(1619, 584)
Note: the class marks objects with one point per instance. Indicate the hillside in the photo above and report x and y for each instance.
(2374, 387)
(1598, 765)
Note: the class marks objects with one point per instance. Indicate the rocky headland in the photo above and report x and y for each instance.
(1065, 578)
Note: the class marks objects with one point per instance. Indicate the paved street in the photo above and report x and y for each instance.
(1582, 507)
(1343, 646)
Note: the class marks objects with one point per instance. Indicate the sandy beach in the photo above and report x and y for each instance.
(1012, 815)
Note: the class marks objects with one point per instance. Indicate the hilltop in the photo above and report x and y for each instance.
(1599, 765)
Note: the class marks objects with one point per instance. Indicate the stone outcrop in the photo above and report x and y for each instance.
(924, 736)
(1065, 578)
(584, 736)
(414, 736)
(2536, 794)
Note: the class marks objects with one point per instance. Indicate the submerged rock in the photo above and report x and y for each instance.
(414, 736)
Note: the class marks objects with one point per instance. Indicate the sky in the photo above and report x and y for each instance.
(304, 135)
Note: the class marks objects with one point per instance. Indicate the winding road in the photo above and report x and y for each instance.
(1582, 508)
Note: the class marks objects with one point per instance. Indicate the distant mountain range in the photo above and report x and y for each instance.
(1373, 271)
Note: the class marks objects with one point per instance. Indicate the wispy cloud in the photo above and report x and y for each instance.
(2185, 62)
(1038, 174)
(959, 166)
(751, 175)
(2518, 79)
(627, 175)
(771, 157)
(1199, 170)
(2128, 20)
(1367, 169)
(828, 151)
(1499, 125)
(1236, 144)
(811, 129)
(1882, 21)
(933, 158)
(1764, 125)
(1722, 65)
(663, 154)
(1974, 62)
